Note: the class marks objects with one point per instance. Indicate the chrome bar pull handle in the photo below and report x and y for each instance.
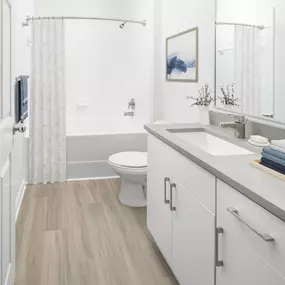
(166, 180)
(172, 185)
(265, 237)
(219, 231)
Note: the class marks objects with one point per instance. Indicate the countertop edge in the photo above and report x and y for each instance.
(273, 209)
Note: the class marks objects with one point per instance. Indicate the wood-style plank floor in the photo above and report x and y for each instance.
(78, 233)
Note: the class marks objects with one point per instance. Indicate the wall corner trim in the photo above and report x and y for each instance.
(19, 198)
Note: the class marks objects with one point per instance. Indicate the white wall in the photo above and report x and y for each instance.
(21, 66)
(158, 59)
(105, 66)
(177, 16)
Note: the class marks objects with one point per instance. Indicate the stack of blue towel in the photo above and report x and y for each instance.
(274, 156)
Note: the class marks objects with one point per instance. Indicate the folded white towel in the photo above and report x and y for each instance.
(259, 139)
(258, 144)
(279, 143)
(277, 148)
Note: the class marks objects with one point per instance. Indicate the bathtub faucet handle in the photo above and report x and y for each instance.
(132, 104)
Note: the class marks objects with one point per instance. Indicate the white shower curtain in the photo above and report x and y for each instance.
(247, 68)
(47, 124)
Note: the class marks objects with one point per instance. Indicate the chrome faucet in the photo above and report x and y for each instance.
(238, 125)
(131, 108)
(132, 104)
(129, 113)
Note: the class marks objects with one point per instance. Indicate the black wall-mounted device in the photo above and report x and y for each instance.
(21, 98)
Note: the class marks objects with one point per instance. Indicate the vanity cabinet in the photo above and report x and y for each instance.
(208, 232)
(181, 224)
(250, 241)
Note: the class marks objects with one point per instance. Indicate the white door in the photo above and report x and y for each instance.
(193, 242)
(7, 206)
(158, 208)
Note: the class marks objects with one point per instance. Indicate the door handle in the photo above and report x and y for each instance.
(166, 180)
(235, 213)
(20, 127)
(219, 231)
(172, 185)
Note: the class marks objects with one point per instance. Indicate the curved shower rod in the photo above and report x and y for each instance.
(28, 19)
(261, 27)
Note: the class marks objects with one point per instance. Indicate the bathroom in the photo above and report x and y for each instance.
(120, 163)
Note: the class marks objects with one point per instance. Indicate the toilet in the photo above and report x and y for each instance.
(131, 166)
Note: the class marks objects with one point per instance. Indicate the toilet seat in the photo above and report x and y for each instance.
(130, 159)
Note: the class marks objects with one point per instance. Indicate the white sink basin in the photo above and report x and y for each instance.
(211, 144)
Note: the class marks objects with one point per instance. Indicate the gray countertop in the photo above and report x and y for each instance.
(235, 170)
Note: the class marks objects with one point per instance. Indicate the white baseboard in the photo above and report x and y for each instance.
(94, 178)
(19, 198)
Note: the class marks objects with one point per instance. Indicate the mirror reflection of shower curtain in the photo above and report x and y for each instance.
(47, 125)
(247, 68)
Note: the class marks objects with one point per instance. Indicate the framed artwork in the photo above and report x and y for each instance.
(182, 57)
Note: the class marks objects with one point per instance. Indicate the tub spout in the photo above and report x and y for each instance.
(129, 113)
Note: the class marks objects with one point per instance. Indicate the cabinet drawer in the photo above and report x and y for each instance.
(194, 178)
(252, 224)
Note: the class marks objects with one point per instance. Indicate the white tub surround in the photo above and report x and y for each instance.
(87, 155)
(88, 152)
(47, 128)
(105, 126)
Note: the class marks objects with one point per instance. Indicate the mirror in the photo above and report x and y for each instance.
(250, 57)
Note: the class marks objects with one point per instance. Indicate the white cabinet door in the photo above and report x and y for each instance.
(158, 211)
(7, 199)
(242, 265)
(193, 242)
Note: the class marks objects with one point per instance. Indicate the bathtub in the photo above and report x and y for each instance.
(91, 142)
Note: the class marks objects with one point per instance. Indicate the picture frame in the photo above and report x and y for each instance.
(182, 56)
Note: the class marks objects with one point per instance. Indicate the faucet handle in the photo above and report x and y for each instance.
(240, 119)
(132, 104)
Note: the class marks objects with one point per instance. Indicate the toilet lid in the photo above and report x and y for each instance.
(131, 159)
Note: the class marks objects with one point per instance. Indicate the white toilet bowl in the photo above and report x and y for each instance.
(132, 168)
